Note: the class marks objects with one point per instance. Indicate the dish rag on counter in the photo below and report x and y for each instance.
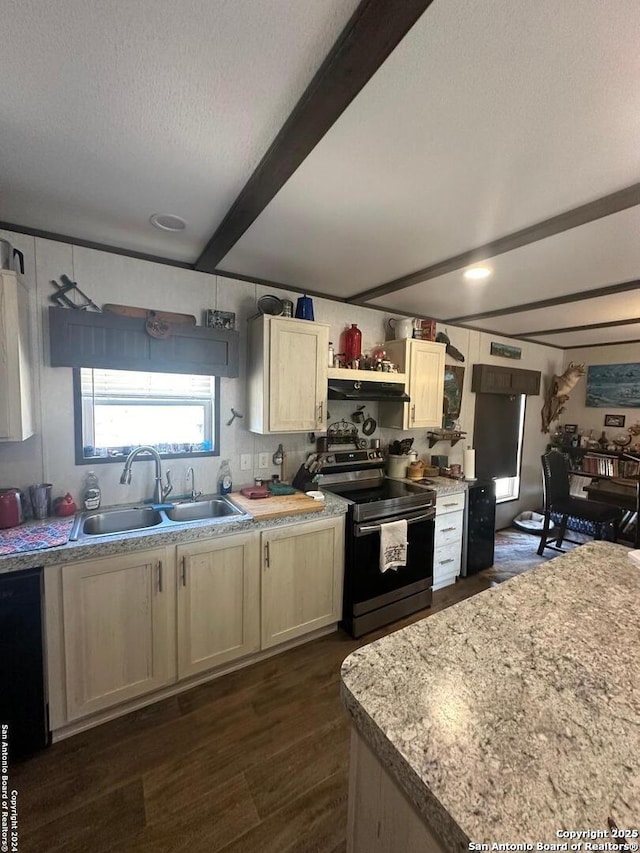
(393, 545)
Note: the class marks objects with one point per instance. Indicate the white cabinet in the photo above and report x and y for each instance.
(423, 362)
(119, 629)
(302, 571)
(218, 602)
(287, 375)
(16, 393)
(448, 539)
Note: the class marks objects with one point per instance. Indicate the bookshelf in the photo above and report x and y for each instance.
(610, 464)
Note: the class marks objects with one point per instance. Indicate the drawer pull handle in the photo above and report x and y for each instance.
(413, 413)
(452, 504)
(183, 573)
(159, 575)
(446, 529)
(444, 562)
(266, 556)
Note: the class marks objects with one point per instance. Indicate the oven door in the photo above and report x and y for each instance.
(367, 587)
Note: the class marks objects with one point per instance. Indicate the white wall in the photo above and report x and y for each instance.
(105, 277)
(576, 412)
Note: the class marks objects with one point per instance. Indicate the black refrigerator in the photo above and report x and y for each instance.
(479, 526)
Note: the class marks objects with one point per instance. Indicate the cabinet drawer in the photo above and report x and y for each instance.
(449, 503)
(446, 562)
(448, 530)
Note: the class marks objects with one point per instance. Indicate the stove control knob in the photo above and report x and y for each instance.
(330, 459)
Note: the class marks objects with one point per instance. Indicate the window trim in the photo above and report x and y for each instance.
(81, 459)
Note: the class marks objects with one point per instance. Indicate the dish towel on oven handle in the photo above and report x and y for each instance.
(393, 545)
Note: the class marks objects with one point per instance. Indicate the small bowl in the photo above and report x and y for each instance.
(317, 496)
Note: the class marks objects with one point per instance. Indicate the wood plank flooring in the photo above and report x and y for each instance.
(254, 762)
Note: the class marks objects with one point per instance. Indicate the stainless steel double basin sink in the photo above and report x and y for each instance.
(109, 522)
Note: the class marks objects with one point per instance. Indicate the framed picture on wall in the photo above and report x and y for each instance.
(614, 420)
(571, 428)
(613, 386)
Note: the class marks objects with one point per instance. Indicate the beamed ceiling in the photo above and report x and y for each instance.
(368, 152)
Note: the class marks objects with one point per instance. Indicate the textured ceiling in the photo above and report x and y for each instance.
(487, 118)
(484, 120)
(116, 110)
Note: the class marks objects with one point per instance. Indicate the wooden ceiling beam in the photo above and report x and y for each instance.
(567, 298)
(593, 210)
(585, 328)
(374, 30)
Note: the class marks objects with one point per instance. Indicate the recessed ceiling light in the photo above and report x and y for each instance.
(477, 273)
(168, 222)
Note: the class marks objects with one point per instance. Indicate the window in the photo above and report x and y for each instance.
(497, 437)
(508, 488)
(117, 410)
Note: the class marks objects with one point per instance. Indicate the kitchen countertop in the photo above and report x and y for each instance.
(178, 534)
(441, 485)
(515, 713)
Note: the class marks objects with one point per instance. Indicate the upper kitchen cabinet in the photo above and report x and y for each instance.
(287, 375)
(16, 393)
(113, 342)
(423, 361)
(495, 379)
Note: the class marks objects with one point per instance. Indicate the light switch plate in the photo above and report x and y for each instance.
(263, 460)
(245, 461)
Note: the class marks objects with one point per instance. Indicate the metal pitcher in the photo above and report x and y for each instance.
(8, 255)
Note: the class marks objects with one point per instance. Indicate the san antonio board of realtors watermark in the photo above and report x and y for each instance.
(8, 799)
(585, 841)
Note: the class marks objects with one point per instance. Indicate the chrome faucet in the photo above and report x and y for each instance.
(160, 492)
(194, 495)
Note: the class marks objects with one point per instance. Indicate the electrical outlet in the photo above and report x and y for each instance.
(245, 461)
(264, 460)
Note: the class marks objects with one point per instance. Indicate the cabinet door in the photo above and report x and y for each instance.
(119, 629)
(426, 384)
(302, 570)
(218, 602)
(16, 405)
(297, 376)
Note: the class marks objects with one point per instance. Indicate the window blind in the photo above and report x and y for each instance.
(98, 383)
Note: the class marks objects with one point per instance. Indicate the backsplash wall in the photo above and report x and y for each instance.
(49, 455)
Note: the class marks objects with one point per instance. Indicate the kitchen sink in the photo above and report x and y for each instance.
(197, 510)
(113, 521)
(118, 521)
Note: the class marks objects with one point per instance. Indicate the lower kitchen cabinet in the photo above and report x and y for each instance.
(125, 627)
(447, 550)
(218, 602)
(119, 629)
(302, 570)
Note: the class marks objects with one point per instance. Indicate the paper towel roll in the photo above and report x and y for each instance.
(469, 463)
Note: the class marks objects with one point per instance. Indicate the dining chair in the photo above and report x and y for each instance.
(558, 500)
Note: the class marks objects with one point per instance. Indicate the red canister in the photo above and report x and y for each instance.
(353, 343)
(11, 514)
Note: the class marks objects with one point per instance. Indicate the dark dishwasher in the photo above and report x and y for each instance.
(23, 697)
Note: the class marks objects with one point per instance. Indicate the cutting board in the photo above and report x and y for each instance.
(277, 506)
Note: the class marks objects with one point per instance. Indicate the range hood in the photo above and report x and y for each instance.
(347, 389)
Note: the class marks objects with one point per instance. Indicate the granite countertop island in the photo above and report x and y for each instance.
(515, 714)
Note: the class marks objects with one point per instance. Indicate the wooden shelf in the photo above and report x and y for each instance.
(453, 436)
(366, 375)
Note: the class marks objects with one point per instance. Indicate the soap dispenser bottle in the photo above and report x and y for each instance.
(91, 496)
(224, 478)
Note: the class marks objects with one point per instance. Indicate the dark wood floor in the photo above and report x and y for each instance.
(255, 761)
